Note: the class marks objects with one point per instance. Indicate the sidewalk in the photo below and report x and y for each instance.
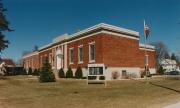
(177, 105)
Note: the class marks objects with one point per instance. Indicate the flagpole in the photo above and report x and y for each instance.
(145, 56)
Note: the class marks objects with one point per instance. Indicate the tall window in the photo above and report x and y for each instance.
(92, 52)
(32, 64)
(41, 61)
(50, 58)
(71, 55)
(43, 58)
(80, 54)
(53, 57)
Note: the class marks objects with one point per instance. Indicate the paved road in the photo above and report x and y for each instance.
(177, 105)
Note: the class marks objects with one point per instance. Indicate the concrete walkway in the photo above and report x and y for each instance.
(177, 105)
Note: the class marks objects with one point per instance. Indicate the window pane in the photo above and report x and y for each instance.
(71, 55)
(80, 54)
(92, 52)
(96, 71)
(124, 73)
(90, 71)
(101, 70)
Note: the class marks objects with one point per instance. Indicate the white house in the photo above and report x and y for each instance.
(169, 65)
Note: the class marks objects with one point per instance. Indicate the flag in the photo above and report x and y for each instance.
(146, 30)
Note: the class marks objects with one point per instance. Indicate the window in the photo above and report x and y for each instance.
(50, 58)
(41, 60)
(124, 73)
(32, 65)
(92, 52)
(80, 54)
(95, 70)
(71, 55)
(53, 57)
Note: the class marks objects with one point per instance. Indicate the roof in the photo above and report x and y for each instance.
(102, 28)
(168, 62)
(8, 62)
(30, 54)
(107, 27)
(60, 38)
(90, 30)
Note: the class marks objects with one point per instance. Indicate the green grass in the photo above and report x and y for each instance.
(27, 92)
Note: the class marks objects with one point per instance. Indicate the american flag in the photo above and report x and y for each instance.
(146, 30)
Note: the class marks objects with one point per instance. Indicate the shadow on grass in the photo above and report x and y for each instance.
(165, 87)
(157, 85)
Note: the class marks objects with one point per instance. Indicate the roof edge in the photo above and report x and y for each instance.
(30, 54)
(146, 46)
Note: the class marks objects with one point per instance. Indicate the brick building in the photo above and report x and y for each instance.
(100, 49)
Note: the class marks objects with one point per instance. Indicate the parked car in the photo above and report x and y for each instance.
(173, 73)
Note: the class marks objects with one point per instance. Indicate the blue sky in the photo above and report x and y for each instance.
(37, 22)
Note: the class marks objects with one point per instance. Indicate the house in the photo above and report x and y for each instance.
(7, 65)
(169, 65)
(99, 50)
(8, 62)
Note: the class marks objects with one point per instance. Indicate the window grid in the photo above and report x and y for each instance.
(71, 55)
(80, 54)
(92, 52)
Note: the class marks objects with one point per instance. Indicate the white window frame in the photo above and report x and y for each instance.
(70, 61)
(80, 46)
(91, 61)
(96, 65)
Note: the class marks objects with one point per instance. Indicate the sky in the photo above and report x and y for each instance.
(37, 22)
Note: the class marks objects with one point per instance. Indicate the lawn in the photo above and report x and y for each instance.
(27, 92)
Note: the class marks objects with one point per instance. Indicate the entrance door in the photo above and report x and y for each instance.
(58, 62)
(58, 59)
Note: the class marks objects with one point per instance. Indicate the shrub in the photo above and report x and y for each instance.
(61, 73)
(30, 71)
(115, 75)
(78, 73)
(102, 78)
(46, 74)
(69, 73)
(36, 72)
(161, 70)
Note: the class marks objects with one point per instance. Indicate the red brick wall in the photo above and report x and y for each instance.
(32, 61)
(124, 52)
(113, 51)
(85, 42)
(43, 55)
(120, 51)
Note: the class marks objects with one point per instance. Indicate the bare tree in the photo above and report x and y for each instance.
(162, 52)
